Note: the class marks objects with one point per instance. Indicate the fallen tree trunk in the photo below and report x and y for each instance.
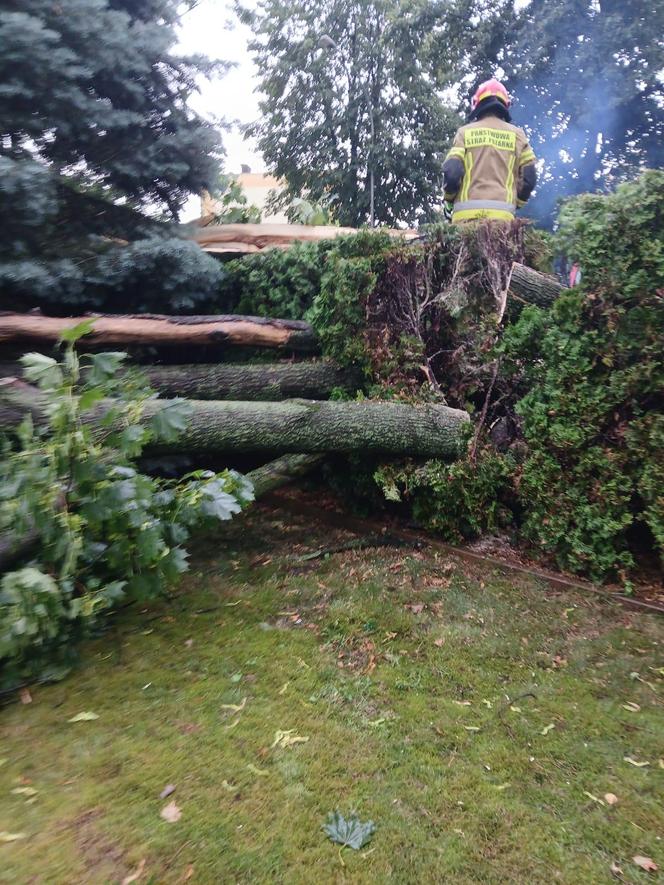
(263, 381)
(305, 426)
(309, 426)
(160, 330)
(526, 284)
(281, 471)
(273, 381)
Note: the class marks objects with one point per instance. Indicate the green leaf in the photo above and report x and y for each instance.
(171, 421)
(42, 370)
(89, 398)
(104, 366)
(87, 716)
(73, 333)
(349, 832)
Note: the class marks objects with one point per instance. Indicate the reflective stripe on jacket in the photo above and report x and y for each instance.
(489, 171)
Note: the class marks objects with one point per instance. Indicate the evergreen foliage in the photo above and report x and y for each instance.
(97, 144)
(593, 369)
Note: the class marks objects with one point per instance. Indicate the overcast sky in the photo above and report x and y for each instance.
(212, 29)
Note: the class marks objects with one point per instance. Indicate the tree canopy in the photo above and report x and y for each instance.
(97, 138)
(585, 75)
(315, 126)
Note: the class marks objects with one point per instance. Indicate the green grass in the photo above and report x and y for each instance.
(388, 694)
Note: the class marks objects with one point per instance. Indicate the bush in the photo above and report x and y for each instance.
(285, 283)
(107, 533)
(458, 501)
(594, 372)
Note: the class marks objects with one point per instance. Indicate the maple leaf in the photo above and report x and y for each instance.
(351, 833)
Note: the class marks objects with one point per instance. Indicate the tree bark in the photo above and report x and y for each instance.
(159, 330)
(309, 426)
(281, 471)
(306, 426)
(526, 284)
(262, 381)
(274, 381)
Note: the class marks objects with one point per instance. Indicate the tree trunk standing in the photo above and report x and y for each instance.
(275, 381)
(526, 284)
(299, 426)
(156, 330)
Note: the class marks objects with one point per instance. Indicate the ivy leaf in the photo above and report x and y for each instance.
(170, 421)
(352, 832)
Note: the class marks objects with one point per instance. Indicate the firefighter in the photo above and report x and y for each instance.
(490, 170)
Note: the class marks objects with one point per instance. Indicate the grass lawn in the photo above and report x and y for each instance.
(479, 721)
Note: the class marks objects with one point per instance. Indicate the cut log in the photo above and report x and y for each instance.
(281, 471)
(306, 426)
(160, 330)
(269, 381)
(526, 284)
(241, 239)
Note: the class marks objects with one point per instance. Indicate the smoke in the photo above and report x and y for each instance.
(590, 117)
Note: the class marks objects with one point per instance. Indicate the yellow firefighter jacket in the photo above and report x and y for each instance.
(489, 171)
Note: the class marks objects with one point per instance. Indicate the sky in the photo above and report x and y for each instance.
(212, 30)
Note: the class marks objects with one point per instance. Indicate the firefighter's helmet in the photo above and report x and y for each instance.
(490, 89)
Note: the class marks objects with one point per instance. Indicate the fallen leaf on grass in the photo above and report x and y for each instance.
(646, 863)
(138, 872)
(261, 772)
(166, 792)
(594, 798)
(351, 833)
(472, 727)
(26, 697)
(416, 608)
(611, 798)
(188, 873)
(236, 708)
(170, 813)
(636, 762)
(375, 722)
(230, 788)
(631, 706)
(547, 728)
(615, 869)
(284, 688)
(439, 642)
(11, 837)
(462, 703)
(285, 739)
(514, 708)
(24, 791)
(84, 717)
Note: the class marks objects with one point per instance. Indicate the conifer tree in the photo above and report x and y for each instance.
(98, 144)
